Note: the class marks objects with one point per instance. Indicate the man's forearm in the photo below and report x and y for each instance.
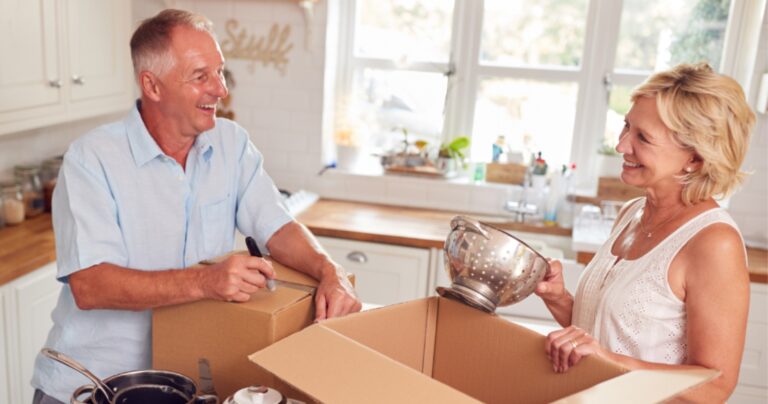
(294, 246)
(108, 286)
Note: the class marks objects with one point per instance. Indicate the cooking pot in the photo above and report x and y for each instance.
(145, 386)
(489, 267)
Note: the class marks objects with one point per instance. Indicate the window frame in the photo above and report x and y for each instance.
(464, 69)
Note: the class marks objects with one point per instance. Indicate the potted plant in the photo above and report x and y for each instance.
(451, 154)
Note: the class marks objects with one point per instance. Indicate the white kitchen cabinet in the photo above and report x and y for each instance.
(4, 393)
(28, 303)
(384, 274)
(66, 59)
(753, 376)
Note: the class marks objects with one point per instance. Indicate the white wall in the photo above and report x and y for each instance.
(282, 113)
(749, 206)
(34, 146)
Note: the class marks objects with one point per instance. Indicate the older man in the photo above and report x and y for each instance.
(140, 199)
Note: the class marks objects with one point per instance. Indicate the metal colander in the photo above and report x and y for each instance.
(488, 266)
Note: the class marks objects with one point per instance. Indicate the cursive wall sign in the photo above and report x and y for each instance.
(271, 49)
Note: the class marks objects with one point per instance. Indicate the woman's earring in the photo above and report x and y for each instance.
(688, 170)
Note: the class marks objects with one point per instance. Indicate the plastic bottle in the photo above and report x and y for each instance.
(553, 199)
(499, 150)
(566, 206)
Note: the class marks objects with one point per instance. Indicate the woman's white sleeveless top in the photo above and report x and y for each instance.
(629, 307)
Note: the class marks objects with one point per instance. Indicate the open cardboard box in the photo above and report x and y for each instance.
(437, 350)
(225, 333)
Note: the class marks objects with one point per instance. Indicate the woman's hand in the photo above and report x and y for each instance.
(566, 347)
(552, 291)
(552, 288)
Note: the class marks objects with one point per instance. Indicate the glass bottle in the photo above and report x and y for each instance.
(13, 203)
(31, 189)
(48, 176)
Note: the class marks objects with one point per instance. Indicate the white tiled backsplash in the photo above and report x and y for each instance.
(284, 115)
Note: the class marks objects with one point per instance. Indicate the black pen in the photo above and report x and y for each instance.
(254, 250)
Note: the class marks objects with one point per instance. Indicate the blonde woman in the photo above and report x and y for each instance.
(670, 287)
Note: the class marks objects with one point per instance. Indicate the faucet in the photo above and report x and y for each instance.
(522, 207)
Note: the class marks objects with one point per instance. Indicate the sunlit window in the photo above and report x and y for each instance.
(541, 73)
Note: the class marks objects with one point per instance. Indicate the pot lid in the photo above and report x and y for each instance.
(255, 395)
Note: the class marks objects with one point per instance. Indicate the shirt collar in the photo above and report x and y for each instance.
(143, 145)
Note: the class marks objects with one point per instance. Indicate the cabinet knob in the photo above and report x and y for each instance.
(78, 80)
(56, 83)
(358, 257)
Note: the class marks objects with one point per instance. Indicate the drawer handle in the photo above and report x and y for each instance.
(55, 83)
(79, 80)
(358, 257)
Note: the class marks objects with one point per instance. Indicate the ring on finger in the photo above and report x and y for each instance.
(574, 344)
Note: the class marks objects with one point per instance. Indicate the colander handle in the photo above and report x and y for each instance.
(469, 224)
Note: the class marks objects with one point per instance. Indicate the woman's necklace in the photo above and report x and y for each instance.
(649, 233)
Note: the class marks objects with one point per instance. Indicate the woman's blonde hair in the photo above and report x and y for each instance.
(707, 113)
(151, 41)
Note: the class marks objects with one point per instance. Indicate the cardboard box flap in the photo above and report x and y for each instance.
(643, 386)
(268, 302)
(499, 361)
(410, 345)
(340, 372)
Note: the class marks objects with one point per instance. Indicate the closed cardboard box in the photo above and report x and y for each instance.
(226, 333)
(440, 351)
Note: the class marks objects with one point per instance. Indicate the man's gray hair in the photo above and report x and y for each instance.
(151, 41)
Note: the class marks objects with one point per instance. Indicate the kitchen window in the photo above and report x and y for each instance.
(550, 75)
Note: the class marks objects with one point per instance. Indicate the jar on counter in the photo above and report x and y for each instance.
(48, 175)
(28, 178)
(13, 203)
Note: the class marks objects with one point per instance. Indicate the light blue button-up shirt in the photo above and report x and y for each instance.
(119, 199)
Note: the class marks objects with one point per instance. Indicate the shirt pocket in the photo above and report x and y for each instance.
(218, 227)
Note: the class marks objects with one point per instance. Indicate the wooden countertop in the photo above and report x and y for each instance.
(30, 245)
(411, 227)
(26, 247)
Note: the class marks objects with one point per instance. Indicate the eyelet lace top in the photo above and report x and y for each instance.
(629, 307)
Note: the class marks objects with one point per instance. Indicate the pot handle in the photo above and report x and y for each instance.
(206, 399)
(470, 224)
(88, 388)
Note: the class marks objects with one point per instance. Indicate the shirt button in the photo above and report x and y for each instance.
(181, 178)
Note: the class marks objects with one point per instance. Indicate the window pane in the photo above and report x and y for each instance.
(404, 30)
(385, 102)
(658, 34)
(533, 116)
(618, 106)
(543, 32)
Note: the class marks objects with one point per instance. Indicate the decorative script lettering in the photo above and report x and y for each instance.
(270, 50)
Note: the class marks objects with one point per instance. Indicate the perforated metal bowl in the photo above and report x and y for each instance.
(489, 267)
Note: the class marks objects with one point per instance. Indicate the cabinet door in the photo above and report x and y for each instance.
(754, 363)
(29, 73)
(384, 274)
(30, 300)
(99, 55)
(748, 395)
(4, 393)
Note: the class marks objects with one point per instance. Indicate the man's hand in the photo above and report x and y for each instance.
(335, 297)
(235, 278)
